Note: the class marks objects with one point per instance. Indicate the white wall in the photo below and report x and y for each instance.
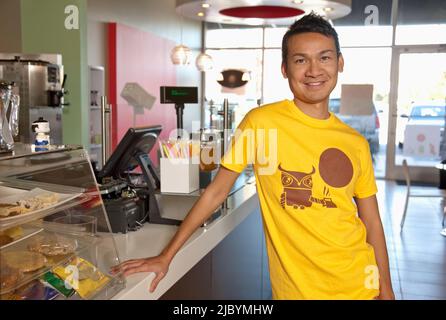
(97, 43)
(155, 16)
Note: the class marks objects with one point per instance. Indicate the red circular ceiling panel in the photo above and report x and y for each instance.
(264, 12)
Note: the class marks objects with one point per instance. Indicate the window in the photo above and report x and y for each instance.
(421, 24)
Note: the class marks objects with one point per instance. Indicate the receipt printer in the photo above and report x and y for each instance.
(125, 209)
(124, 214)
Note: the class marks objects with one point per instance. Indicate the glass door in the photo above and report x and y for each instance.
(418, 112)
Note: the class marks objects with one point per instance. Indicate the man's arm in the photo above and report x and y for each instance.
(212, 197)
(369, 214)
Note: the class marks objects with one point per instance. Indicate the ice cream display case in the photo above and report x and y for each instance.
(55, 239)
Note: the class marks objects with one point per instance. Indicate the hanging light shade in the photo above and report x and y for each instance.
(180, 55)
(204, 62)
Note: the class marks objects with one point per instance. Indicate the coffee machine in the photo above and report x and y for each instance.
(40, 81)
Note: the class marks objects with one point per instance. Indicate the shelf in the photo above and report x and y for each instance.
(49, 263)
(95, 146)
(95, 108)
(108, 290)
(23, 234)
(65, 202)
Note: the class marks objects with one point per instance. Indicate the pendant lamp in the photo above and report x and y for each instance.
(204, 62)
(180, 55)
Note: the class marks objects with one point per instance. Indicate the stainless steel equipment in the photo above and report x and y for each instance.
(40, 83)
(106, 116)
(9, 108)
(226, 127)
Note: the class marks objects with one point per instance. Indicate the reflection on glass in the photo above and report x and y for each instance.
(421, 108)
(243, 59)
(234, 38)
(421, 34)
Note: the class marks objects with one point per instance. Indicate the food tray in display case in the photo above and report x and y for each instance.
(34, 204)
(12, 235)
(31, 257)
(55, 240)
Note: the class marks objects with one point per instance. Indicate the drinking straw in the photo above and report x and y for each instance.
(163, 155)
(166, 150)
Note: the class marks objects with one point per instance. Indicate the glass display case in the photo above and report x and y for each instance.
(55, 238)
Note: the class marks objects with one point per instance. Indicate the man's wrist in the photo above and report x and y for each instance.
(386, 290)
(166, 257)
(385, 285)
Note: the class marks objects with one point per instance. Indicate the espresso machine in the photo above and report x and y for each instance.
(39, 81)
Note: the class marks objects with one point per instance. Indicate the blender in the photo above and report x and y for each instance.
(9, 116)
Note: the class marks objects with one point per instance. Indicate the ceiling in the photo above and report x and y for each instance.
(260, 12)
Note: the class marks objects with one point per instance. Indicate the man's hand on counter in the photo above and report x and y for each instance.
(159, 265)
(209, 201)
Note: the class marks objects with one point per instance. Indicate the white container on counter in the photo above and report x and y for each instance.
(179, 175)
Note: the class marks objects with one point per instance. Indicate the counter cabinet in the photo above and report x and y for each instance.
(224, 260)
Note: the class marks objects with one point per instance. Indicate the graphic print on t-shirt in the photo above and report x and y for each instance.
(335, 168)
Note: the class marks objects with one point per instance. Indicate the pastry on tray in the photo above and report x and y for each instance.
(40, 201)
(9, 277)
(11, 209)
(5, 239)
(14, 232)
(52, 245)
(25, 205)
(25, 261)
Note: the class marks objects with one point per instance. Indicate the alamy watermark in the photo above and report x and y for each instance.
(243, 147)
(371, 280)
(373, 15)
(71, 17)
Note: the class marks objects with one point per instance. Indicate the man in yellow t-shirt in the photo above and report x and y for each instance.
(315, 184)
(308, 170)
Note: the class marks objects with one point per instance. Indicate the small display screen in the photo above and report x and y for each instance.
(179, 94)
(53, 74)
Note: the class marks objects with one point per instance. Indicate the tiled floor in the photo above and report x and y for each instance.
(417, 253)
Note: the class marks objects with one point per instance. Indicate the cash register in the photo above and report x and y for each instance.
(130, 186)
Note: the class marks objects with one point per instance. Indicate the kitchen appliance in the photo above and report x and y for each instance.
(9, 120)
(125, 209)
(55, 95)
(40, 83)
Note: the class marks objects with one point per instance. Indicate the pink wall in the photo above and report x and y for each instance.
(138, 56)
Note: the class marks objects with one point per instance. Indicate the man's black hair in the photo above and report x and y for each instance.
(310, 23)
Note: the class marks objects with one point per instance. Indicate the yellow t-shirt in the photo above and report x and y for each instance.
(308, 171)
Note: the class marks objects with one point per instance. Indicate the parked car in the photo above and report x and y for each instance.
(367, 125)
(431, 113)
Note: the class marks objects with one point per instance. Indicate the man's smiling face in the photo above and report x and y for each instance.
(312, 67)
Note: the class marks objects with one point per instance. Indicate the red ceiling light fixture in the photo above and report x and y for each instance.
(262, 12)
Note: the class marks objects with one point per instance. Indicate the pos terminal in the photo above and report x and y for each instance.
(130, 186)
(129, 196)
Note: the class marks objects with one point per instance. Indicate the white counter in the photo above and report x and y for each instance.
(152, 238)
